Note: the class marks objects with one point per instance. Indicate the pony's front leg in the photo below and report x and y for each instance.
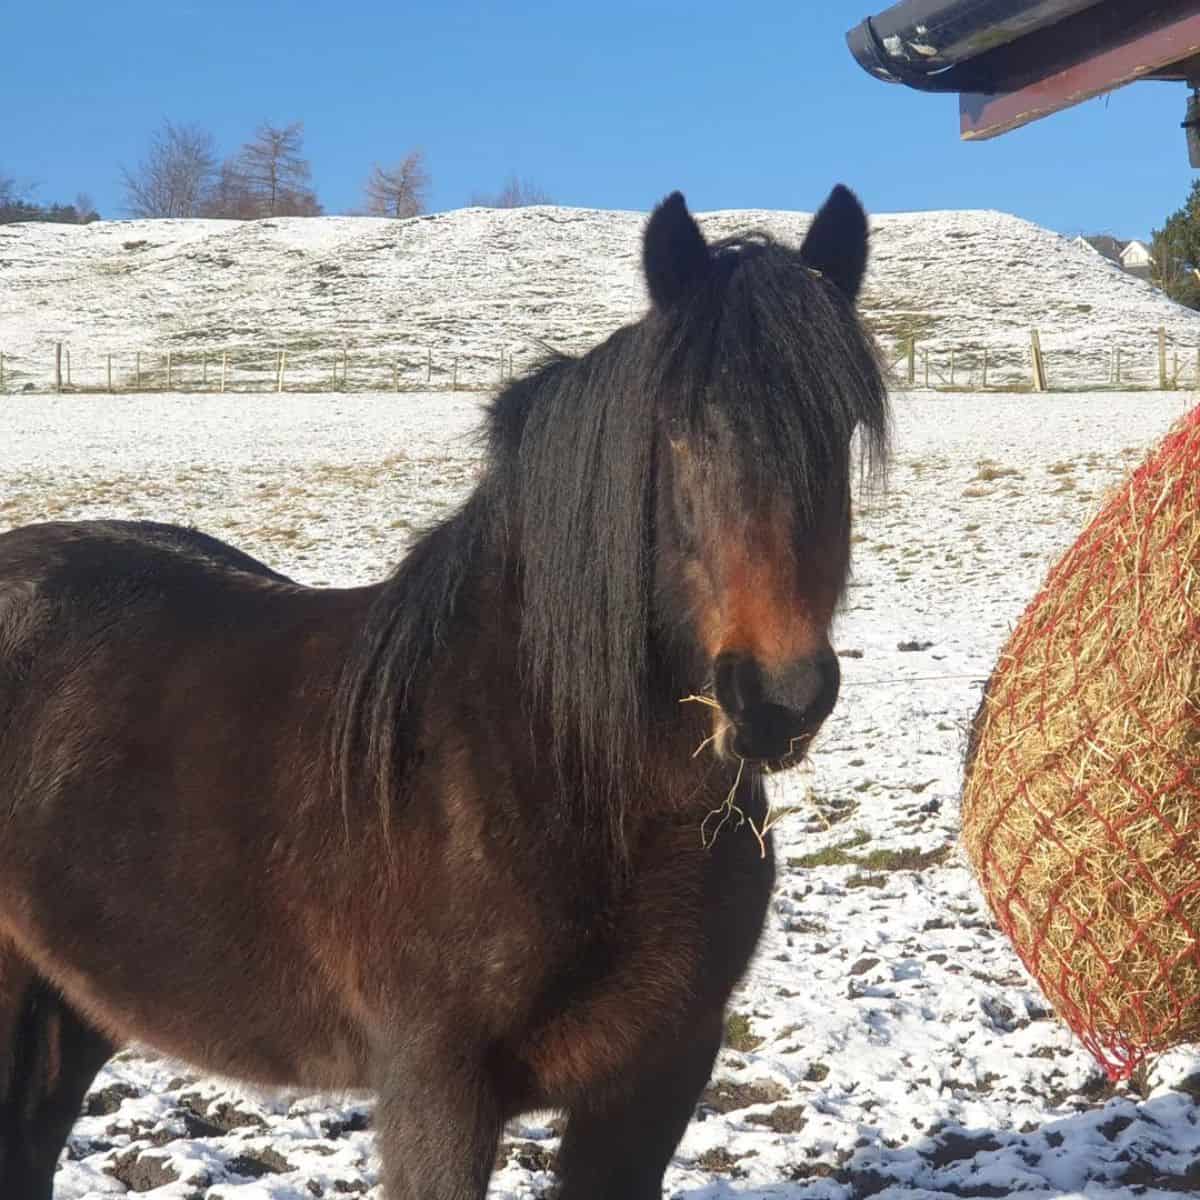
(617, 1145)
(437, 1124)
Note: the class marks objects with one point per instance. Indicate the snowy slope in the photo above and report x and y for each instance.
(888, 1043)
(475, 284)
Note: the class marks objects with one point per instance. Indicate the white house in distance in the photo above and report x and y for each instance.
(1135, 258)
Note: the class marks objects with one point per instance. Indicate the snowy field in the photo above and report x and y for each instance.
(886, 1041)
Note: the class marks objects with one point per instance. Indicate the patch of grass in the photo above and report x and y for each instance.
(990, 471)
(738, 1035)
(529, 1155)
(721, 1162)
(725, 1096)
(920, 465)
(908, 858)
(900, 325)
(862, 881)
(833, 810)
(817, 1073)
(833, 856)
(786, 1118)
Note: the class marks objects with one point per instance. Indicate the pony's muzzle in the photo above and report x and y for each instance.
(774, 715)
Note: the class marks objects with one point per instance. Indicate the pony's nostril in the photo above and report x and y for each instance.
(738, 682)
(809, 687)
(799, 687)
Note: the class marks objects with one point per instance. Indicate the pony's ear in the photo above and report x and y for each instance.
(674, 253)
(836, 244)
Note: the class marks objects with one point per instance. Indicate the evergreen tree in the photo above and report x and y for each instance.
(1176, 252)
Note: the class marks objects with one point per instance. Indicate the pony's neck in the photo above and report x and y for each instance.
(659, 771)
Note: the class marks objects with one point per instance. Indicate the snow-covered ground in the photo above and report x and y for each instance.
(449, 295)
(886, 1041)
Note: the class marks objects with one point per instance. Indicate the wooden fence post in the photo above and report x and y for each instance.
(204, 371)
(1039, 367)
(951, 367)
(926, 353)
(224, 366)
(1117, 365)
(110, 372)
(282, 369)
(428, 363)
(58, 366)
(137, 372)
(985, 366)
(1162, 358)
(170, 373)
(456, 367)
(912, 361)
(345, 364)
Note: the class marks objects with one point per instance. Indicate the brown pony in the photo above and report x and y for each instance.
(441, 837)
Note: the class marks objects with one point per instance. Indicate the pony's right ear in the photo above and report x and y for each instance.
(674, 253)
(836, 244)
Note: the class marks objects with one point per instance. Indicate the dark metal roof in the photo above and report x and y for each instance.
(1013, 61)
(915, 41)
(992, 46)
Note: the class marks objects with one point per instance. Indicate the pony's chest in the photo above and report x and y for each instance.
(668, 956)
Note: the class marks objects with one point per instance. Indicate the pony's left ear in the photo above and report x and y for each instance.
(836, 244)
(674, 253)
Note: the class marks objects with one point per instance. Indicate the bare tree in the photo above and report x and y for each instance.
(10, 190)
(516, 193)
(85, 206)
(400, 192)
(15, 204)
(174, 178)
(276, 174)
(230, 196)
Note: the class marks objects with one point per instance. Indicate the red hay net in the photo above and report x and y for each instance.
(1081, 811)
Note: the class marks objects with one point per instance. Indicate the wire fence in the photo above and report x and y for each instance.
(310, 367)
(1157, 362)
(307, 365)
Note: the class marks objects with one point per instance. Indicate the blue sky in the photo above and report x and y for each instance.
(607, 104)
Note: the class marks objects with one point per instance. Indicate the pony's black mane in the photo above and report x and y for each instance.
(765, 348)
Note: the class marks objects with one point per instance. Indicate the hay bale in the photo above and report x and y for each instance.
(1081, 810)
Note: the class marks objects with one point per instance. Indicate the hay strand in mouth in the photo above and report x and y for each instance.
(729, 809)
(725, 812)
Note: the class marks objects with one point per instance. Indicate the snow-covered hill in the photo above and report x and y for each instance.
(428, 297)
